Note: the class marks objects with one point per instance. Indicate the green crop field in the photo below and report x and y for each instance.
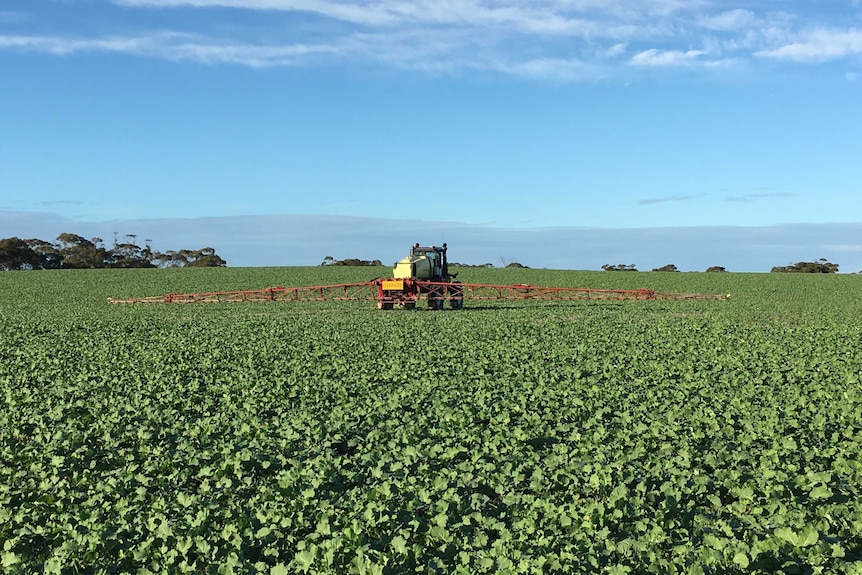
(510, 437)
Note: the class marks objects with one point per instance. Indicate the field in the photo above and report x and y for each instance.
(511, 437)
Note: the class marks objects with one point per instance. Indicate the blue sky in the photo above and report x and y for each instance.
(701, 121)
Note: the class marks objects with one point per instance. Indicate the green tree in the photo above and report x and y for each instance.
(620, 268)
(205, 257)
(130, 255)
(15, 254)
(80, 253)
(821, 266)
(351, 262)
(48, 255)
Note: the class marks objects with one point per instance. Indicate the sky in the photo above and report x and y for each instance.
(556, 133)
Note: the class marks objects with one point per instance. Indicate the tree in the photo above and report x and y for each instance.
(352, 262)
(666, 268)
(129, 256)
(516, 265)
(206, 258)
(80, 253)
(202, 258)
(48, 255)
(715, 269)
(72, 251)
(619, 268)
(15, 254)
(821, 266)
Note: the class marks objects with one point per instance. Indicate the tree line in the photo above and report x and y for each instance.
(71, 251)
(821, 266)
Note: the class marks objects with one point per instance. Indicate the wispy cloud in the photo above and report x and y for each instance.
(54, 203)
(730, 20)
(557, 39)
(663, 58)
(818, 46)
(663, 200)
(176, 46)
(760, 196)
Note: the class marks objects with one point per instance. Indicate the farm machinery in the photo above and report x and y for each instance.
(422, 276)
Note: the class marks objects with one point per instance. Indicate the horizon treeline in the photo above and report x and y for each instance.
(71, 251)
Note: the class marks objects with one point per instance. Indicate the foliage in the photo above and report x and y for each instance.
(72, 251)
(619, 268)
(462, 265)
(350, 262)
(716, 269)
(524, 437)
(202, 258)
(15, 254)
(821, 266)
(667, 268)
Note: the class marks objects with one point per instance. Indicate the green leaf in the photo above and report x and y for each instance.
(744, 493)
(185, 499)
(52, 566)
(8, 558)
(741, 559)
(399, 544)
(305, 559)
(820, 492)
(808, 537)
(787, 534)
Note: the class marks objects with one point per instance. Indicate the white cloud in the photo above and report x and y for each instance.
(729, 21)
(172, 46)
(542, 18)
(550, 68)
(666, 58)
(818, 46)
(547, 39)
(616, 50)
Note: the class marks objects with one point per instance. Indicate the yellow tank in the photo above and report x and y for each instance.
(414, 266)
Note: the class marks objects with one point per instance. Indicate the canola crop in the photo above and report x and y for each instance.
(508, 437)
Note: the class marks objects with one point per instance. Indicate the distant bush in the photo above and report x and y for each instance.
(821, 266)
(353, 262)
(667, 268)
(619, 268)
(460, 265)
(716, 269)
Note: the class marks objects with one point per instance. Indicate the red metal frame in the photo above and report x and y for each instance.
(413, 290)
(335, 292)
